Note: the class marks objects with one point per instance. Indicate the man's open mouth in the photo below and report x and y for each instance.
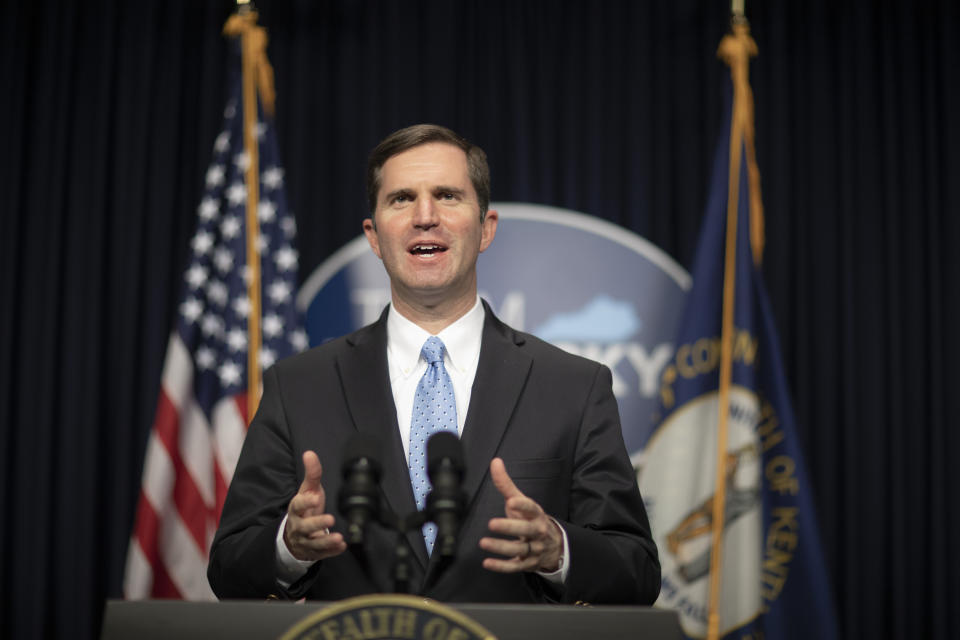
(427, 249)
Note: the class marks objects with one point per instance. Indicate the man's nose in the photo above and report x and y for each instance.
(425, 214)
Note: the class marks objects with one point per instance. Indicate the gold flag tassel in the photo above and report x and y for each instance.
(735, 49)
(257, 77)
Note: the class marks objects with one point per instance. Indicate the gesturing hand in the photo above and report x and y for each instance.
(307, 532)
(535, 541)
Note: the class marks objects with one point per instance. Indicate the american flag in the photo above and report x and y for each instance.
(201, 416)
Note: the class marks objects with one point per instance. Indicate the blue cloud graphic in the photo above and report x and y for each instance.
(603, 319)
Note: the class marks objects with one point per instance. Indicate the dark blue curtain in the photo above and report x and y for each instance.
(108, 111)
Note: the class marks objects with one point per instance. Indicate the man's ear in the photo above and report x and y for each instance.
(488, 229)
(370, 230)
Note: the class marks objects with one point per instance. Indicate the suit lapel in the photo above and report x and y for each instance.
(501, 374)
(366, 387)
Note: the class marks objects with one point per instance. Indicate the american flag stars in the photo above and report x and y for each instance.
(236, 194)
(202, 242)
(272, 325)
(272, 178)
(217, 292)
(230, 227)
(242, 161)
(222, 143)
(266, 211)
(215, 175)
(218, 275)
(223, 259)
(286, 258)
(208, 209)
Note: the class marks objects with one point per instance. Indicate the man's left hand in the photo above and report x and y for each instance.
(532, 542)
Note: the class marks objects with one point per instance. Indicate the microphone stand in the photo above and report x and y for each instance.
(401, 553)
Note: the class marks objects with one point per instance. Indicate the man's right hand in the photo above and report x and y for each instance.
(307, 532)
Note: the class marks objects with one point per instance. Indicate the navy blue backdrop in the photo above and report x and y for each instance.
(109, 108)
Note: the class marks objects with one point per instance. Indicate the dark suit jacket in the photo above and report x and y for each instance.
(550, 415)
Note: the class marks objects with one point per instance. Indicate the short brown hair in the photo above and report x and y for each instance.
(416, 135)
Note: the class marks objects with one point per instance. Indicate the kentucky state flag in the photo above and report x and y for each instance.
(773, 579)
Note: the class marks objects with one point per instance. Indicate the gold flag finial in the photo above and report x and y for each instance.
(736, 49)
(244, 23)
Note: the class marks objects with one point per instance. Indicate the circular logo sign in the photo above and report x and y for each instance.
(581, 283)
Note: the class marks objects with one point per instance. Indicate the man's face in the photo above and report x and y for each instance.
(428, 231)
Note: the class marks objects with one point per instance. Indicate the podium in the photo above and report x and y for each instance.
(255, 620)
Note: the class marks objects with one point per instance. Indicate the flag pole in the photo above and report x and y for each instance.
(735, 49)
(257, 75)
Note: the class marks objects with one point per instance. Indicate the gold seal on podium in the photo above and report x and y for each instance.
(387, 617)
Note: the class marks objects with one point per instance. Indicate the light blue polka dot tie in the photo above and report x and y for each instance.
(434, 410)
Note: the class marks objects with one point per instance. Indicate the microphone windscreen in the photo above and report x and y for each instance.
(441, 446)
(361, 446)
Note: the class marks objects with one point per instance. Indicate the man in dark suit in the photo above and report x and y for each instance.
(553, 510)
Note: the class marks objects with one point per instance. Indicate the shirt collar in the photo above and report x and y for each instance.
(461, 340)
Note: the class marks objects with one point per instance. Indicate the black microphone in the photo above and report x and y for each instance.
(359, 499)
(447, 500)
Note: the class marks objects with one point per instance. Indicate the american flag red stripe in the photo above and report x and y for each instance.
(147, 541)
(201, 417)
(186, 493)
(172, 508)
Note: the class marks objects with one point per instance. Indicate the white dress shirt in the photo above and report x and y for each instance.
(406, 366)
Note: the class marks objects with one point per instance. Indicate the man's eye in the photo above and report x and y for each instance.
(401, 199)
(447, 196)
